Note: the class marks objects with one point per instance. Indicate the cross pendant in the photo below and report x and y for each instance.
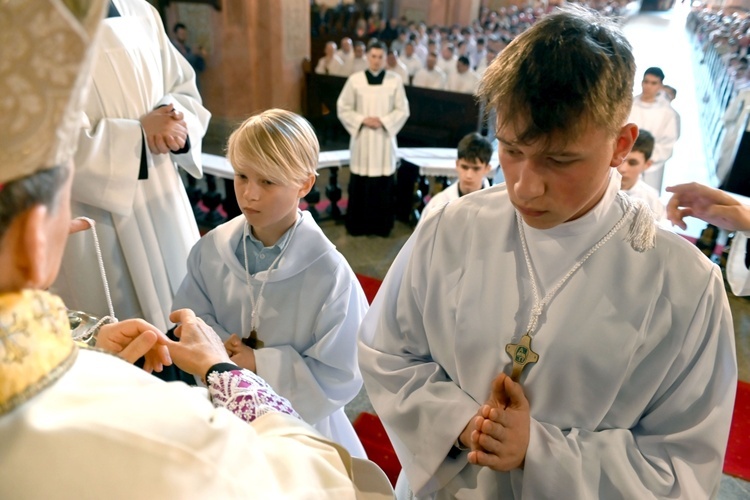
(521, 354)
(253, 341)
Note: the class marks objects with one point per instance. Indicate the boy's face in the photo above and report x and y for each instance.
(470, 174)
(632, 168)
(651, 85)
(269, 208)
(555, 183)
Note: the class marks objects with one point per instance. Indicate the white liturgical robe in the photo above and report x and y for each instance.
(447, 195)
(146, 227)
(430, 79)
(643, 191)
(107, 429)
(633, 392)
(312, 306)
(464, 83)
(373, 151)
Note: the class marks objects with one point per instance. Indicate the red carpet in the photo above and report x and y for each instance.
(369, 285)
(377, 445)
(737, 460)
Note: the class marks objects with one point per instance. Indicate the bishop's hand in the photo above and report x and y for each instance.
(502, 428)
(240, 354)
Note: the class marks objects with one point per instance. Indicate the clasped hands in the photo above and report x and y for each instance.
(372, 122)
(498, 435)
(165, 129)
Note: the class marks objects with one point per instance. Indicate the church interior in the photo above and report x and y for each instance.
(253, 55)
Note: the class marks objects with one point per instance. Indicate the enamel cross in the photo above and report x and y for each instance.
(521, 354)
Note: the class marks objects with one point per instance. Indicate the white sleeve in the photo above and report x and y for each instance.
(738, 274)
(666, 138)
(395, 120)
(346, 108)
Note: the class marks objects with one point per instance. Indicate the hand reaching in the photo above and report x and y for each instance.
(240, 354)
(711, 205)
(133, 338)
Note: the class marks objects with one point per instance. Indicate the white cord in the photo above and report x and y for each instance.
(102, 272)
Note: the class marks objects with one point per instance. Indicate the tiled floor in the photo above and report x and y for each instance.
(658, 40)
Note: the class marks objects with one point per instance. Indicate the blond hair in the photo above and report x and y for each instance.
(572, 68)
(278, 145)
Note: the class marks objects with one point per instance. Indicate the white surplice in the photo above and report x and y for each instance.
(643, 191)
(146, 227)
(373, 151)
(633, 392)
(312, 306)
(445, 196)
(106, 429)
(430, 79)
(660, 119)
(464, 83)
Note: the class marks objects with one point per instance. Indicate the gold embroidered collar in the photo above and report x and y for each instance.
(36, 346)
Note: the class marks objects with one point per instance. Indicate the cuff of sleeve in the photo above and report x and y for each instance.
(221, 368)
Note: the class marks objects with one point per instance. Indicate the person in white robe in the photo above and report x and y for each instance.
(430, 77)
(723, 210)
(410, 59)
(651, 111)
(631, 169)
(544, 337)
(463, 80)
(359, 62)
(126, 176)
(447, 59)
(346, 54)
(394, 64)
(373, 108)
(282, 279)
(473, 153)
(330, 63)
(94, 424)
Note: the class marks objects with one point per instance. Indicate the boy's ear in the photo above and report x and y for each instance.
(624, 143)
(306, 186)
(24, 252)
(648, 164)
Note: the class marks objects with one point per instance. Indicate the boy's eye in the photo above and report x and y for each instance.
(241, 177)
(266, 182)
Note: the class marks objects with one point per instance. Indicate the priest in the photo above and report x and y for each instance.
(143, 117)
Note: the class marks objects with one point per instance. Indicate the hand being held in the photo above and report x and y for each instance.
(199, 347)
(133, 338)
(165, 129)
(502, 429)
(239, 353)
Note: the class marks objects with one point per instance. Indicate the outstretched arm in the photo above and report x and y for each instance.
(711, 205)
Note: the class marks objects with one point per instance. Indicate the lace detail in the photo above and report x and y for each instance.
(246, 395)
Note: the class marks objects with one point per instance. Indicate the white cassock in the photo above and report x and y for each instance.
(373, 151)
(146, 227)
(401, 70)
(430, 79)
(334, 67)
(358, 64)
(107, 429)
(412, 64)
(643, 191)
(444, 197)
(464, 83)
(447, 65)
(660, 119)
(738, 275)
(633, 393)
(347, 59)
(311, 309)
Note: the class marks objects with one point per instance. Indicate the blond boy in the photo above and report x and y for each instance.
(285, 302)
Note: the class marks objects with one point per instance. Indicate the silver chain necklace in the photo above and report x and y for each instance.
(521, 353)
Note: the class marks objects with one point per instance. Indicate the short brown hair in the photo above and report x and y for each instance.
(571, 68)
(279, 145)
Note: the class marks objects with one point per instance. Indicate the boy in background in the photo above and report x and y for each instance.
(269, 282)
(637, 161)
(472, 166)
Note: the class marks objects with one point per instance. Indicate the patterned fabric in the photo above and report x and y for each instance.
(36, 347)
(246, 395)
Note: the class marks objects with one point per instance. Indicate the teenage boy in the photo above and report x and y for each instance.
(652, 111)
(544, 337)
(472, 168)
(635, 164)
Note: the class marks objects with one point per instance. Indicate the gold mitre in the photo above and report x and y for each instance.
(45, 59)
